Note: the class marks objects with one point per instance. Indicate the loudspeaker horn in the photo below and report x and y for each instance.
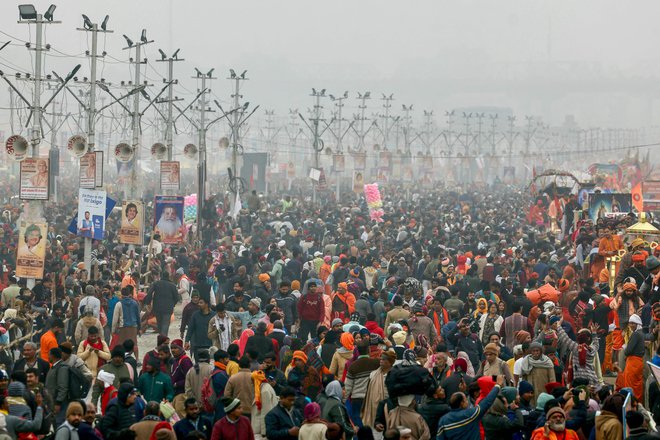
(158, 151)
(17, 147)
(123, 152)
(190, 151)
(77, 145)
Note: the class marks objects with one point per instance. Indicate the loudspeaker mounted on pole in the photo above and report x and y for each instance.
(158, 151)
(17, 147)
(123, 152)
(190, 151)
(77, 145)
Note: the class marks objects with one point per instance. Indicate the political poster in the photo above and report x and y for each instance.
(34, 179)
(31, 250)
(358, 182)
(168, 219)
(170, 175)
(131, 230)
(91, 170)
(609, 205)
(91, 213)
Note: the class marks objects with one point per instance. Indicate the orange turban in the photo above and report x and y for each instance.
(563, 285)
(347, 341)
(343, 285)
(264, 277)
(629, 286)
(298, 354)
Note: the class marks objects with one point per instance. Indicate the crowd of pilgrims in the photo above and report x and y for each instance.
(310, 321)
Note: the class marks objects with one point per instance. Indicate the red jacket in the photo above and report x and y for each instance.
(311, 307)
(372, 326)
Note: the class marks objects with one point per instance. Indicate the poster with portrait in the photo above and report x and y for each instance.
(168, 219)
(358, 182)
(359, 161)
(91, 213)
(31, 250)
(338, 163)
(170, 175)
(91, 170)
(35, 178)
(385, 159)
(131, 230)
(609, 205)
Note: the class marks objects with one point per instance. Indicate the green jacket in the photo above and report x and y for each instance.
(156, 387)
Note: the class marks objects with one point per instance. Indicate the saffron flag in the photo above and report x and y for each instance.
(637, 197)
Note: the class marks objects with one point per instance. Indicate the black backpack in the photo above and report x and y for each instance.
(78, 384)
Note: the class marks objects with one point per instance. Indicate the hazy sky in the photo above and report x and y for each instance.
(590, 58)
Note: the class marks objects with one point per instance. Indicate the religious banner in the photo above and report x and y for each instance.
(132, 222)
(609, 205)
(31, 250)
(385, 159)
(91, 213)
(359, 161)
(168, 219)
(338, 163)
(358, 182)
(91, 170)
(34, 179)
(170, 175)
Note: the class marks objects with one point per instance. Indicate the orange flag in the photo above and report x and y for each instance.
(637, 198)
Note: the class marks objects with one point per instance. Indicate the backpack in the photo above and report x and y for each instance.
(208, 395)
(79, 385)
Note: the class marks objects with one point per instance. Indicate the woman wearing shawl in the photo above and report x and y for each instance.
(242, 341)
(313, 427)
(334, 410)
(303, 377)
(376, 390)
(490, 322)
(537, 369)
(265, 399)
(482, 307)
(342, 355)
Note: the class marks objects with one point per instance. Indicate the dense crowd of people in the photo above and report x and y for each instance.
(478, 314)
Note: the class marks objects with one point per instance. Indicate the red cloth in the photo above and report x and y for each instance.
(109, 393)
(372, 326)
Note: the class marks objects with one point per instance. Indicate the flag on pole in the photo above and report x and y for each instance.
(637, 197)
(237, 206)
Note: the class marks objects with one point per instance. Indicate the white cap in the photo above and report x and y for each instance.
(318, 254)
(281, 243)
(106, 377)
(635, 319)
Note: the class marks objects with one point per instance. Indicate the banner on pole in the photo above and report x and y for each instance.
(168, 219)
(31, 250)
(35, 179)
(132, 222)
(91, 170)
(170, 175)
(91, 213)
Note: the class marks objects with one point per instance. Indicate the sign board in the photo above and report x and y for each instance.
(170, 175)
(35, 179)
(131, 230)
(31, 250)
(91, 213)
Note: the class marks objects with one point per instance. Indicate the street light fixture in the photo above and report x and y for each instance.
(104, 24)
(27, 12)
(49, 13)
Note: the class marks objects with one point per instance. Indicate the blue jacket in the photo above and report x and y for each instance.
(278, 422)
(464, 423)
(131, 312)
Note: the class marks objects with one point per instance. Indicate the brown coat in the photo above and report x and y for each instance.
(241, 387)
(538, 378)
(144, 429)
